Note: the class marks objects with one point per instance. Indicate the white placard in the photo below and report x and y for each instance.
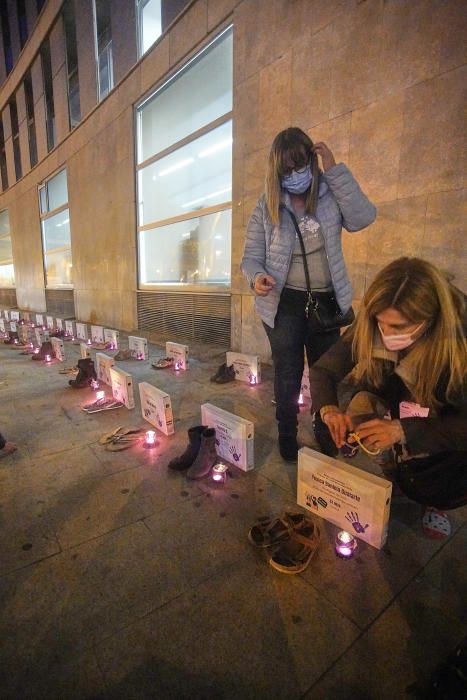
(122, 387)
(39, 320)
(2, 325)
(70, 328)
(97, 334)
(13, 328)
(50, 322)
(138, 347)
(103, 365)
(247, 367)
(234, 435)
(352, 499)
(156, 408)
(81, 331)
(305, 386)
(42, 335)
(23, 334)
(179, 353)
(59, 324)
(58, 348)
(111, 338)
(14, 315)
(84, 350)
(7, 314)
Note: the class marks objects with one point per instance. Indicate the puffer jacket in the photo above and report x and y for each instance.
(268, 248)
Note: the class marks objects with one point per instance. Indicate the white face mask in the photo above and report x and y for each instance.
(401, 341)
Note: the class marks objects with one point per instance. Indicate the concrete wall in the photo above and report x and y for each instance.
(382, 82)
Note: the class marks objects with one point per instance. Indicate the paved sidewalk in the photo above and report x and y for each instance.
(119, 579)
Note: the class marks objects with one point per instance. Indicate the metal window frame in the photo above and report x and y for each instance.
(48, 215)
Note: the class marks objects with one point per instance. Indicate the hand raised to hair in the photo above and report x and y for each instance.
(327, 158)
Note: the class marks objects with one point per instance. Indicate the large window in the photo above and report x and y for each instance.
(149, 24)
(56, 232)
(103, 44)
(3, 166)
(30, 118)
(7, 272)
(74, 107)
(15, 136)
(184, 173)
(48, 93)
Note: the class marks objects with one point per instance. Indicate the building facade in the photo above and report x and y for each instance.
(134, 136)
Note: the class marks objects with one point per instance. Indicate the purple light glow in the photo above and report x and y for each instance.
(150, 438)
(300, 400)
(346, 545)
(252, 380)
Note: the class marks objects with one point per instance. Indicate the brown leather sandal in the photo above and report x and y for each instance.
(294, 555)
(269, 531)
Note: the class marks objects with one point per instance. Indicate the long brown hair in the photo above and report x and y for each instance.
(420, 292)
(291, 145)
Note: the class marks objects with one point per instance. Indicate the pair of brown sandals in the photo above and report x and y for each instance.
(292, 538)
(122, 438)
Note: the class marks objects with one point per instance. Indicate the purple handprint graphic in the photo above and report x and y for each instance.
(355, 522)
(233, 452)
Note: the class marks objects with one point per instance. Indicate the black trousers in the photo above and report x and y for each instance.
(292, 334)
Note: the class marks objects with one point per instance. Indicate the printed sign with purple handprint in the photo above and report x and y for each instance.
(233, 452)
(353, 519)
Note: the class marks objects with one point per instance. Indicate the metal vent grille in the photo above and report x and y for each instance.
(60, 302)
(203, 318)
(8, 298)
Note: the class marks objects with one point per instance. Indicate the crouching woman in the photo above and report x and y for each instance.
(407, 350)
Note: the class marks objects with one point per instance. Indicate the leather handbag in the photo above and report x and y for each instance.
(321, 308)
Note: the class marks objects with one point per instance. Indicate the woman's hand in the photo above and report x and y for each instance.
(380, 434)
(325, 152)
(263, 284)
(339, 425)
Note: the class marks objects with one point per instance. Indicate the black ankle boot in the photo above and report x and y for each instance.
(323, 436)
(288, 447)
(85, 374)
(206, 457)
(186, 459)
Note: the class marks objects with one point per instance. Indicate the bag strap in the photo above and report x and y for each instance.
(311, 300)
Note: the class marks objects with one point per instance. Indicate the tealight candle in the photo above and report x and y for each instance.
(346, 544)
(89, 341)
(150, 439)
(47, 358)
(300, 400)
(219, 473)
(253, 379)
(36, 351)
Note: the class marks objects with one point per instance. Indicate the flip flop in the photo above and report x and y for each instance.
(267, 532)
(294, 555)
(435, 524)
(163, 363)
(123, 443)
(118, 433)
(105, 406)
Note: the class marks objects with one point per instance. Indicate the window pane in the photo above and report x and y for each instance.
(58, 192)
(7, 276)
(197, 96)
(59, 269)
(56, 231)
(43, 199)
(6, 254)
(4, 222)
(193, 252)
(150, 23)
(196, 176)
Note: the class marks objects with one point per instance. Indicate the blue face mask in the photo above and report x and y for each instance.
(298, 182)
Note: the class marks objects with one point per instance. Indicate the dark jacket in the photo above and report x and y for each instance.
(444, 429)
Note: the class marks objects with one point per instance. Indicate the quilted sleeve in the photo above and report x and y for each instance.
(254, 254)
(356, 209)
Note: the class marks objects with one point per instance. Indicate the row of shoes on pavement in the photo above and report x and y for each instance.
(224, 374)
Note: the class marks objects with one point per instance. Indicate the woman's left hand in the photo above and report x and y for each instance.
(325, 152)
(379, 433)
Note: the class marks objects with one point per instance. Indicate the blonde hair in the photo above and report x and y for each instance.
(291, 145)
(420, 292)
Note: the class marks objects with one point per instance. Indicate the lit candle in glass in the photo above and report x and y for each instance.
(219, 473)
(346, 545)
(89, 341)
(150, 439)
(47, 358)
(253, 380)
(300, 399)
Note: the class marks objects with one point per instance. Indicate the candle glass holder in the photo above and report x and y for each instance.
(150, 439)
(219, 473)
(346, 544)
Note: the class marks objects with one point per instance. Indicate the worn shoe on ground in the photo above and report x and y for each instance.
(288, 447)
(224, 374)
(206, 456)
(185, 460)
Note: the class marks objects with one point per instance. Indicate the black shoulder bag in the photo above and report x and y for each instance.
(321, 308)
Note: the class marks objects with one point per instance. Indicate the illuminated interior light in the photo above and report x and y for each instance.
(215, 148)
(177, 166)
